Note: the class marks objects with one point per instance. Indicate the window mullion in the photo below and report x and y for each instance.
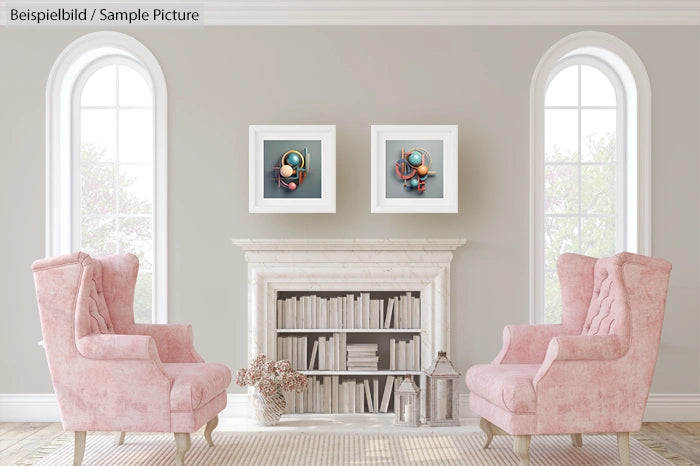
(580, 210)
(117, 222)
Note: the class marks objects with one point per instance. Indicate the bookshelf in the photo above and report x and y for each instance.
(353, 346)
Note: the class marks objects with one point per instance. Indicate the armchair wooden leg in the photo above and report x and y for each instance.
(521, 445)
(79, 447)
(487, 428)
(182, 442)
(119, 438)
(577, 440)
(211, 425)
(623, 447)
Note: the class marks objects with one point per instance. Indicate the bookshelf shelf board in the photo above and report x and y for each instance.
(348, 330)
(360, 372)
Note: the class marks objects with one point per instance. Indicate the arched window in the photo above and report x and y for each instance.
(106, 157)
(590, 100)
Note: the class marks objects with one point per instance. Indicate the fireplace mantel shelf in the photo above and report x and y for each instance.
(347, 244)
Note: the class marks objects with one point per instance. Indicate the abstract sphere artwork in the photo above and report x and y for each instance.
(413, 168)
(291, 172)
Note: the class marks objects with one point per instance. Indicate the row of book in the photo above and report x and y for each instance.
(333, 353)
(330, 395)
(348, 311)
(327, 353)
(404, 355)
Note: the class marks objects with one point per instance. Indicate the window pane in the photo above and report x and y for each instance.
(598, 236)
(135, 189)
(98, 128)
(98, 235)
(563, 88)
(101, 88)
(136, 237)
(143, 297)
(596, 88)
(598, 135)
(96, 188)
(133, 89)
(598, 189)
(552, 298)
(560, 135)
(561, 189)
(560, 236)
(136, 136)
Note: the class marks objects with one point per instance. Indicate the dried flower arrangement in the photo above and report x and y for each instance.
(269, 376)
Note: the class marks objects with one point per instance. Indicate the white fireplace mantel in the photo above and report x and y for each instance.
(349, 265)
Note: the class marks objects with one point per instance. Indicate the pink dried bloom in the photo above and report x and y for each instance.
(270, 376)
(241, 377)
(284, 366)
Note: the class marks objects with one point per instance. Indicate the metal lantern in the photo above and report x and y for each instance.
(407, 403)
(442, 402)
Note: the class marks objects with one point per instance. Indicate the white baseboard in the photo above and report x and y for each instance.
(30, 407)
(679, 407)
(42, 407)
(237, 405)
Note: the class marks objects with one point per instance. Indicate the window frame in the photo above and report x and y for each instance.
(64, 85)
(614, 58)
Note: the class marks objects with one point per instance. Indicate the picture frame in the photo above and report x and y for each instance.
(391, 188)
(309, 153)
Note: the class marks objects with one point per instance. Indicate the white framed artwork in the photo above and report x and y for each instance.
(291, 169)
(414, 169)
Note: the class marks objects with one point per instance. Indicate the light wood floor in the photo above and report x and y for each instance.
(19, 440)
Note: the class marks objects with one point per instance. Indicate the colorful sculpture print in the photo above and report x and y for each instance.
(413, 170)
(292, 169)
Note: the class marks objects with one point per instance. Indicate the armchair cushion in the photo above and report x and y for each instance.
(508, 386)
(195, 384)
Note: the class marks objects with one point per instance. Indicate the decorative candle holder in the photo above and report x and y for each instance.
(407, 403)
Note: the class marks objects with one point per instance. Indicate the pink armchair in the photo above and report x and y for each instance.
(111, 374)
(592, 372)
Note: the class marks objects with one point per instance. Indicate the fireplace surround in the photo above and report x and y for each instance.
(304, 265)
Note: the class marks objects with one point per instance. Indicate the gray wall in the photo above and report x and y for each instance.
(220, 80)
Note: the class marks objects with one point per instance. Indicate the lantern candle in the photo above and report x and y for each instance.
(407, 403)
(408, 413)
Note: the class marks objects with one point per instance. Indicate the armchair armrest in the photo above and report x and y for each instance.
(118, 347)
(583, 349)
(526, 344)
(175, 342)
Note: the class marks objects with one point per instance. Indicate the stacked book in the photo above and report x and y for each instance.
(362, 356)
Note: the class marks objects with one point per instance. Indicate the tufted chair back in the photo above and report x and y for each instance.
(91, 312)
(608, 312)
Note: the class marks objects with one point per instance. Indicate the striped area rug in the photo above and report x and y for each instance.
(306, 449)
